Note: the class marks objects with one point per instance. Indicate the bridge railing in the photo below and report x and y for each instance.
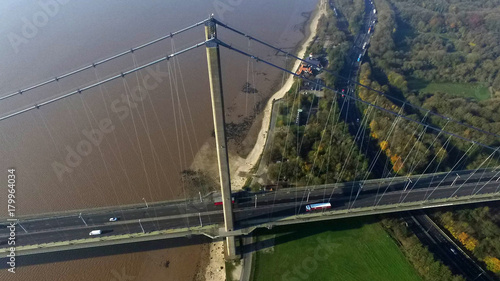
(366, 211)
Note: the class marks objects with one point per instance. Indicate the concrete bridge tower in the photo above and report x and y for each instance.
(214, 73)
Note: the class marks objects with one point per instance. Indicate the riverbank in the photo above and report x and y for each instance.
(213, 268)
(206, 158)
(242, 166)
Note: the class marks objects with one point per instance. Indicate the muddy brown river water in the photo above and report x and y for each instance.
(114, 145)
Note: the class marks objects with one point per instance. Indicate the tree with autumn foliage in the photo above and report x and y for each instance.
(408, 148)
(427, 266)
(493, 264)
(312, 147)
(442, 41)
(478, 231)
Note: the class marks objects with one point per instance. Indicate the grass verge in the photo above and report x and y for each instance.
(354, 249)
(478, 91)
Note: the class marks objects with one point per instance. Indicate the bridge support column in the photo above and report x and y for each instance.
(214, 73)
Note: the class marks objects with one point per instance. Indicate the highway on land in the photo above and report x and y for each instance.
(249, 208)
(349, 112)
(445, 250)
(353, 62)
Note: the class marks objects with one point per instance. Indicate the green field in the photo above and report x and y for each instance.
(354, 249)
(476, 91)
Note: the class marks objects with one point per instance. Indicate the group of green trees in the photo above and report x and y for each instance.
(442, 41)
(327, 33)
(437, 41)
(311, 145)
(318, 149)
(483, 115)
(405, 47)
(478, 231)
(353, 11)
(423, 260)
(330, 43)
(382, 46)
(407, 145)
(446, 41)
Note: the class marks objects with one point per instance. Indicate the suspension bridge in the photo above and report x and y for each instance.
(48, 232)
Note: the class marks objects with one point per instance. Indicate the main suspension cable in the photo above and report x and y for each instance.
(79, 91)
(93, 65)
(350, 97)
(356, 82)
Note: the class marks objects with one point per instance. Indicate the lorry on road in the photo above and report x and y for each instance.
(318, 206)
(95, 232)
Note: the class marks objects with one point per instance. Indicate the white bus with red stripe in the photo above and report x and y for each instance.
(319, 206)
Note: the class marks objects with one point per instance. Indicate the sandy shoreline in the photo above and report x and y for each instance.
(244, 165)
(240, 167)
